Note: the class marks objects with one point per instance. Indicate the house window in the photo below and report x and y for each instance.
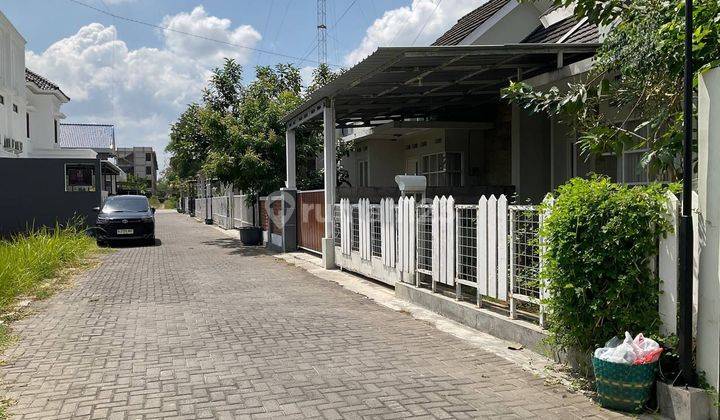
(148, 170)
(79, 177)
(627, 169)
(442, 169)
(56, 131)
(27, 124)
(15, 108)
(363, 173)
(148, 157)
(2, 100)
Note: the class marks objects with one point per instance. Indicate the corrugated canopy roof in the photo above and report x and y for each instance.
(408, 82)
(87, 136)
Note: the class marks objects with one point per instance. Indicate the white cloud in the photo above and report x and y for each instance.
(200, 23)
(141, 91)
(306, 74)
(401, 26)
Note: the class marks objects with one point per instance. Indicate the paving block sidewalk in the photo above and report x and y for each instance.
(199, 327)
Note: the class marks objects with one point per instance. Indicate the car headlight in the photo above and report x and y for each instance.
(102, 221)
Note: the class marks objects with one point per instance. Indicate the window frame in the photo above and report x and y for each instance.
(441, 169)
(363, 173)
(73, 189)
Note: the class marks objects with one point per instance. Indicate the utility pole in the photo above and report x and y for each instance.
(686, 228)
(322, 31)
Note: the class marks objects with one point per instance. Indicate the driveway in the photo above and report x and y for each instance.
(199, 327)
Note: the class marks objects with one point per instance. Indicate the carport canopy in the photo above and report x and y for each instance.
(399, 83)
(396, 83)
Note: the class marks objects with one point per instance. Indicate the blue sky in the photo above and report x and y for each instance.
(141, 79)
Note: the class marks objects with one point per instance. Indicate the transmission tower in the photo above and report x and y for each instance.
(322, 31)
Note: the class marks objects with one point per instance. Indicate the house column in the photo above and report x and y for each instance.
(208, 202)
(708, 333)
(330, 165)
(289, 196)
(290, 183)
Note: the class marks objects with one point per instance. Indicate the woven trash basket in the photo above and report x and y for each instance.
(623, 387)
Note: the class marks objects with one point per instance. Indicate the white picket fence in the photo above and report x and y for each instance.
(227, 211)
(222, 212)
(242, 211)
(493, 248)
(202, 210)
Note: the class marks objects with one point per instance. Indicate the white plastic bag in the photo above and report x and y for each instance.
(627, 351)
(622, 353)
(643, 346)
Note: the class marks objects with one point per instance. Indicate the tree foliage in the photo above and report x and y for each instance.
(601, 238)
(236, 134)
(250, 146)
(632, 97)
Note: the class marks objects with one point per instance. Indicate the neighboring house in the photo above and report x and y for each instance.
(99, 138)
(42, 183)
(436, 111)
(140, 162)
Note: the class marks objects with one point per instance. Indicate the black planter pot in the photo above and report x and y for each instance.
(251, 235)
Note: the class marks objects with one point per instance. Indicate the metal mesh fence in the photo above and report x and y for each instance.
(466, 237)
(336, 225)
(375, 231)
(525, 252)
(355, 228)
(424, 239)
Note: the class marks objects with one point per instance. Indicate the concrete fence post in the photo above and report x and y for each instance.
(708, 326)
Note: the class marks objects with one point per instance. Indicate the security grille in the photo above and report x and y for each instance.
(525, 252)
(466, 234)
(424, 239)
(336, 225)
(375, 231)
(355, 228)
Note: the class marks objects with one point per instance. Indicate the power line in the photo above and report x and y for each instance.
(165, 28)
(427, 21)
(347, 9)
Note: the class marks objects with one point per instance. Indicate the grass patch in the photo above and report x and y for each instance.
(32, 266)
(27, 261)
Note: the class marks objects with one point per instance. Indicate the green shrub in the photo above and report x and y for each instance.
(170, 203)
(27, 260)
(601, 238)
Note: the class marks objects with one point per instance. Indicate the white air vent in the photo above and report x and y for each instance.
(8, 143)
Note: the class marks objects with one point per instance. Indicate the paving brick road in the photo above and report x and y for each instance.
(198, 327)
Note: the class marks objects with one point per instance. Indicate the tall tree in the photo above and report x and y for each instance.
(188, 144)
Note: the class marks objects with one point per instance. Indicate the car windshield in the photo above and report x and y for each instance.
(120, 204)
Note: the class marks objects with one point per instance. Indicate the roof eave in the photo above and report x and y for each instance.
(40, 91)
(357, 73)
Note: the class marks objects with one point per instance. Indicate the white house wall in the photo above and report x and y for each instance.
(509, 25)
(42, 121)
(478, 148)
(12, 83)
